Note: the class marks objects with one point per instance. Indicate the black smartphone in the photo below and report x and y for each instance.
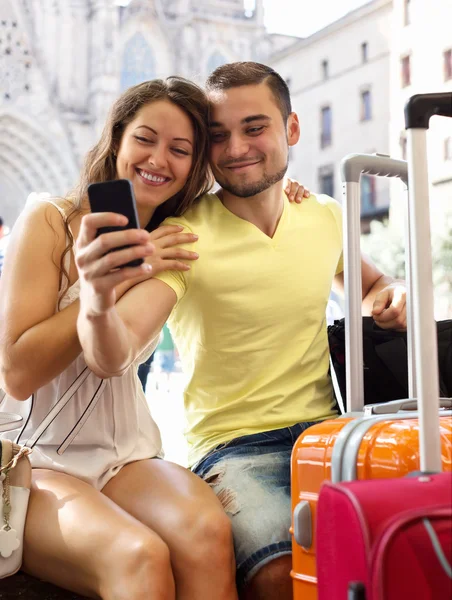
(115, 196)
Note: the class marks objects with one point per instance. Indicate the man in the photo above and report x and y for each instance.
(249, 321)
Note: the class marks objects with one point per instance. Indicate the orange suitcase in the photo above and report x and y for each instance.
(372, 442)
(345, 449)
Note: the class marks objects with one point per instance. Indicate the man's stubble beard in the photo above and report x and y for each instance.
(252, 189)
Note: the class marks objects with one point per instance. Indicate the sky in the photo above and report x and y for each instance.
(300, 17)
(304, 17)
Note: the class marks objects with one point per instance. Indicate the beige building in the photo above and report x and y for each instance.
(421, 61)
(339, 81)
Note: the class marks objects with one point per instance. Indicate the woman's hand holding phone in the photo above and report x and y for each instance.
(167, 256)
(99, 268)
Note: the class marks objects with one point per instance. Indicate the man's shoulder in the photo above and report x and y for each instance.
(322, 200)
(319, 206)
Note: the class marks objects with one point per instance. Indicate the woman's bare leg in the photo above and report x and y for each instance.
(187, 515)
(77, 538)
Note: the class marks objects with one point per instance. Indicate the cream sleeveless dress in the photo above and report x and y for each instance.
(83, 425)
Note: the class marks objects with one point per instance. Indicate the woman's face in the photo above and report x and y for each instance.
(156, 154)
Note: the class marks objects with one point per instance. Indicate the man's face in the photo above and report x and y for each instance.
(249, 140)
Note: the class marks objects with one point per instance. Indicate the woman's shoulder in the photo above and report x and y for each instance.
(54, 212)
(43, 221)
(43, 201)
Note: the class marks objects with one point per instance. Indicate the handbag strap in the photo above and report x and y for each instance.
(11, 454)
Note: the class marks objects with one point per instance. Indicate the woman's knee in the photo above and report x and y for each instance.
(139, 560)
(205, 536)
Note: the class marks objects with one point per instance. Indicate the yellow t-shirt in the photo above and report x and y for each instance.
(249, 322)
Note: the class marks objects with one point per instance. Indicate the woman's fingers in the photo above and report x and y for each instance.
(177, 239)
(172, 252)
(108, 282)
(168, 255)
(94, 221)
(109, 241)
(117, 258)
(164, 230)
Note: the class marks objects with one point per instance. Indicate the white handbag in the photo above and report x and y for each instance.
(15, 483)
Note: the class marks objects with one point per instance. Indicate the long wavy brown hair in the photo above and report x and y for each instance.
(100, 162)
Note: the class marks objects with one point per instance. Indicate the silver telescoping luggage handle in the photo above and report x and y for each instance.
(352, 166)
(393, 407)
(418, 111)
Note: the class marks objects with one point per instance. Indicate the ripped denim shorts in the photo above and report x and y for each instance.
(251, 477)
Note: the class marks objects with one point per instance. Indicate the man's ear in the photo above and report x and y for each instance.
(293, 129)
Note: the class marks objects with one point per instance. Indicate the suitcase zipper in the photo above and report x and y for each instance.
(390, 530)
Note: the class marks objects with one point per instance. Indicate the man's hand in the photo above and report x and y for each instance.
(389, 308)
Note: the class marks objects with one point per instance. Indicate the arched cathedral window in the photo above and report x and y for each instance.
(138, 63)
(216, 60)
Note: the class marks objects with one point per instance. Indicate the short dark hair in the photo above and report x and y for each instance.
(237, 74)
(1, 222)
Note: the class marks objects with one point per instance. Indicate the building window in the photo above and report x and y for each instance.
(366, 105)
(447, 64)
(215, 60)
(406, 12)
(406, 70)
(368, 194)
(138, 63)
(325, 136)
(364, 52)
(325, 69)
(326, 180)
(448, 148)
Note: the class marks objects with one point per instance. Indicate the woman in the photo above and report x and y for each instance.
(106, 518)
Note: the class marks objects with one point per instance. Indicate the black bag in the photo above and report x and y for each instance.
(386, 360)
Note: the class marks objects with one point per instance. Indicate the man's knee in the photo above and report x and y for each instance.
(271, 581)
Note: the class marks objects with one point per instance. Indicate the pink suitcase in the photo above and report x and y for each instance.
(392, 539)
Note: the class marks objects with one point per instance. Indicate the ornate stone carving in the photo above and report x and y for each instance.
(15, 58)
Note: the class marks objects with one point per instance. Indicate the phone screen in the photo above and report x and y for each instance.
(115, 196)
